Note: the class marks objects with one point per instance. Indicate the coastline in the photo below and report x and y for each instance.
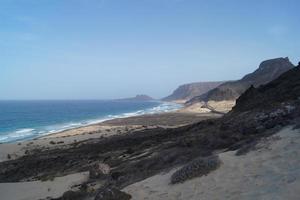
(129, 127)
(35, 132)
(111, 127)
(108, 122)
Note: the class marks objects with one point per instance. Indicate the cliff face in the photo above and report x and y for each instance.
(188, 91)
(268, 70)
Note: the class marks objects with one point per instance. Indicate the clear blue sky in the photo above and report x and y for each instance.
(99, 49)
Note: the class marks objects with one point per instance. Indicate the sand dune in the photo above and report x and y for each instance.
(271, 171)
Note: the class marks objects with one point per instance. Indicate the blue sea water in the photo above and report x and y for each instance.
(23, 120)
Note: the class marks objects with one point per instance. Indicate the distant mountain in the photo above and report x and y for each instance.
(187, 91)
(139, 97)
(268, 70)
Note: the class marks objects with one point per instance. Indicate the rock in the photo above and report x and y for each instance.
(72, 195)
(116, 175)
(108, 193)
(98, 170)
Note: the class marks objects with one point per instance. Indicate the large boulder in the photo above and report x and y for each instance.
(108, 193)
(98, 170)
(73, 195)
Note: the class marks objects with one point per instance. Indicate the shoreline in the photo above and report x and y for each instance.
(118, 126)
(91, 122)
(123, 121)
(104, 121)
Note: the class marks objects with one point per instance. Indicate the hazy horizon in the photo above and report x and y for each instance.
(62, 50)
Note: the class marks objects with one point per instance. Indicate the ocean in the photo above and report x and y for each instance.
(23, 120)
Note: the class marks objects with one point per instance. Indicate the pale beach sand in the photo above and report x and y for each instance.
(199, 107)
(270, 172)
(41, 190)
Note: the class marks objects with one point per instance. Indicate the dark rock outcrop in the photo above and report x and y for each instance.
(72, 195)
(188, 91)
(98, 170)
(268, 70)
(282, 91)
(108, 193)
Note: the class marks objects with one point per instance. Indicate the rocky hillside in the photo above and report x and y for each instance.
(268, 70)
(187, 91)
(283, 91)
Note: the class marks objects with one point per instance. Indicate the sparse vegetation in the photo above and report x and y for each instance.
(198, 167)
(52, 142)
(47, 178)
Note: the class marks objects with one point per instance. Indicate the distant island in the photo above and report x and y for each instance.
(139, 97)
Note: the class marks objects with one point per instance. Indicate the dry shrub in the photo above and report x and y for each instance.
(196, 168)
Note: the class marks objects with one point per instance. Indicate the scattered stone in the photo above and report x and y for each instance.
(72, 195)
(52, 142)
(116, 175)
(99, 170)
(107, 193)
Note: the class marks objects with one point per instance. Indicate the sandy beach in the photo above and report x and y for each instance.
(118, 126)
(69, 138)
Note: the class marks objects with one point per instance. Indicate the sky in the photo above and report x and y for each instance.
(105, 49)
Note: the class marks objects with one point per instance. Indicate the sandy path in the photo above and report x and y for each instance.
(40, 190)
(272, 172)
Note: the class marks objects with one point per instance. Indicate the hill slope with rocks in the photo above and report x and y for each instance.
(187, 91)
(268, 70)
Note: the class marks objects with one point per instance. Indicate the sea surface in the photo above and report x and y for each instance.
(23, 120)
